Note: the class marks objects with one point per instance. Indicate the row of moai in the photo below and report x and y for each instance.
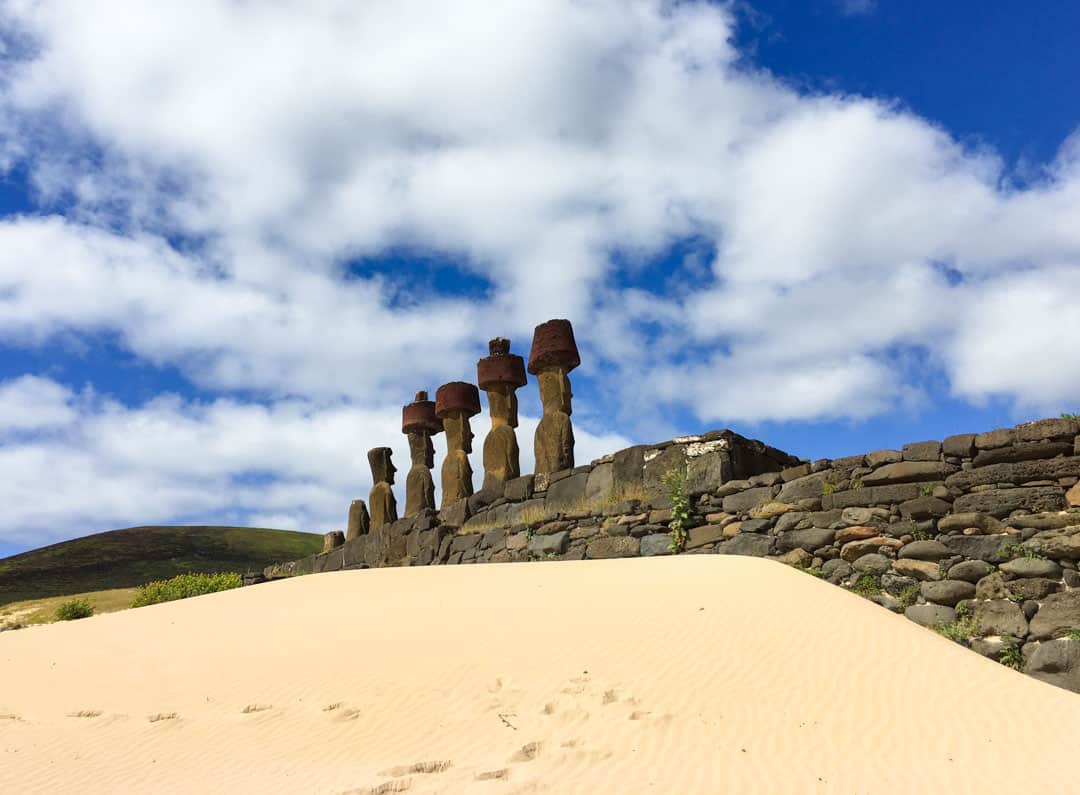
(500, 374)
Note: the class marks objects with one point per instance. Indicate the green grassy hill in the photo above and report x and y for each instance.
(136, 555)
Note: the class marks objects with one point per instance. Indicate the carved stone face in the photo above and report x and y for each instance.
(382, 468)
(459, 434)
(503, 403)
(421, 450)
(555, 391)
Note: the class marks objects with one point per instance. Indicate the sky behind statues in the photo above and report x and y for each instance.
(235, 238)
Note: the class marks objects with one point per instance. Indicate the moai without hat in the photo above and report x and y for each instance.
(359, 521)
(500, 375)
(419, 423)
(455, 403)
(383, 504)
(554, 354)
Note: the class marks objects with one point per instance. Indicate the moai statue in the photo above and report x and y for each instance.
(500, 375)
(554, 354)
(419, 423)
(332, 541)
(455, 403)
(383, 504)
(359, 522)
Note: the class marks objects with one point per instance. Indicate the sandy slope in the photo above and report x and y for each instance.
(669, 675)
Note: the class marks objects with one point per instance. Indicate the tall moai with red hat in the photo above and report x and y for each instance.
(455, 403)
(500, 375)
(382, 502)
(419, 423)
(554, 354)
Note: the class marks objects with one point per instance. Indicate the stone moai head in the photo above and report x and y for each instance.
(554, 354)
(455, 403)
(382, 468)
(419, 423)
(500, 375)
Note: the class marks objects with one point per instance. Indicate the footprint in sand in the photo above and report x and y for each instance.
(10, 716)
(398, 785)
(85, 713)
(418, 767)
(331, 707)
(162, 716)
(256, 708)
(527, 752)
(501, 774)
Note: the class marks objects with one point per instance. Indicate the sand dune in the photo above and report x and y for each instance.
(670, 675)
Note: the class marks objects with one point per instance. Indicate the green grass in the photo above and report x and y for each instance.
(76, 608)
(959, 631)
(1010, 654)
(184, 586)
(908, 596)
(132, 557)
(867, 585)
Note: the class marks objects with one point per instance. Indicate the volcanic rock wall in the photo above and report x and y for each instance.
(977, 535)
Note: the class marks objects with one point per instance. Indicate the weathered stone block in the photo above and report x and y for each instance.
(1058, 428)
(1062, 544)
(704, 535)
(1031, 567)
(970, 570)
(455, 514)
(853, 550)
(999, 617)
(1001, 502)
(849, 461)
(882, 457)
(802, 488)
(749, 544)
(552, 544)
(991, 439)
(627, 468)
(612, 547)
(566, 493)
(909, 472)
(745, 500)
(1020, 472)
(922, 451)
(924, 508)
(962, 445)
(872, 563)
(930, 615)
(1058, 615)
(922, 570)
(465, 542)
(1056, 662)
(809, 539)
(958, 522)
(599, 482)
(947, 592)
(519, 489)
(523, 512)
(655, 544)
(1033, 588)
(987, 548)
(706, 472)
(856, 532)
(670, 459)
(794, 473)
(925, 550)
(1027, 451)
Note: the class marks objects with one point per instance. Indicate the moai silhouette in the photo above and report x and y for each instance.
(419, 423)
(332, 541)
(359, 522)
(500, 375)
(455, 403)
(554, 354)
(383, 504)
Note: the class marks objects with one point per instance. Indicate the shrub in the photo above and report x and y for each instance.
(908, 596)
(185, 585)
(1010, 654)
(960, 630)
(868, 585)
(1066, 416)
(680, 510)
(76, 608)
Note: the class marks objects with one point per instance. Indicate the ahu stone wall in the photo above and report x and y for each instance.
(976, 535)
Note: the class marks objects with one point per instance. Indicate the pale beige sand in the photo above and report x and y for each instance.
(703, 674)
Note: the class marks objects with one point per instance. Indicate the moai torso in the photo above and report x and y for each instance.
(359, 520)
(419, 422)
(454, 404)
(554, 439)
(457, 474)
(382, 501)
(500, 374)
(419, 485)
(554, 354)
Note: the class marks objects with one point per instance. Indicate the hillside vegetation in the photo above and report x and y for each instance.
(134, 556)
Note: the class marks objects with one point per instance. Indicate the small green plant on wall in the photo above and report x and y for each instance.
(680, 510)
(1067, 416)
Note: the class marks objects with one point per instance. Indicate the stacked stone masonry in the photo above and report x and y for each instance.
(978, 533)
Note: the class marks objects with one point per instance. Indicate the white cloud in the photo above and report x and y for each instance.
(273, 142)
(34, 404)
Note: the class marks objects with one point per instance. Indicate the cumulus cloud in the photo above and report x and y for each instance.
(223, 168)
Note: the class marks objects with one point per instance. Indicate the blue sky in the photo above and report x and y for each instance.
(836, 226)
